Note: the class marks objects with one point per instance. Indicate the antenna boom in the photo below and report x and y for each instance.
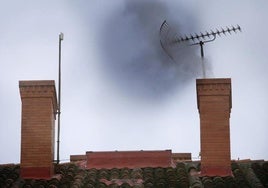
(198, 37)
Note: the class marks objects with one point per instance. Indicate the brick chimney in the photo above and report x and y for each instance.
(214, 101)
(39, 105)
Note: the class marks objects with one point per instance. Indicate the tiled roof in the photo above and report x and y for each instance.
(250, 174)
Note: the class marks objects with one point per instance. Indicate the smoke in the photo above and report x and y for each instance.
(133, 57)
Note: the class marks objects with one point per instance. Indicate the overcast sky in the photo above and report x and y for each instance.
(120, 91)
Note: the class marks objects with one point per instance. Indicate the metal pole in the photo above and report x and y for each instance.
(202, 58)
(59, 99)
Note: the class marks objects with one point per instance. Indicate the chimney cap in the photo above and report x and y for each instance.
(39, 88)
(214, 87)
(214, 81)
(36, 83)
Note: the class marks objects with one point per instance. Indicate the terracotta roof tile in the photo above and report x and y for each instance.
(246, 174)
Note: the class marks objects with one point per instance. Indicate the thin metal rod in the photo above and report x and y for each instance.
(59, 100)
(201, 43)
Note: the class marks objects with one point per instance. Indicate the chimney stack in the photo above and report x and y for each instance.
(39, 107)
(214, 101)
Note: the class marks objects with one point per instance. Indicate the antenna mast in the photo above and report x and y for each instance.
(197, 39)
(59, 100)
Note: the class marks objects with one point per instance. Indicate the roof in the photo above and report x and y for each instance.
(184, 175)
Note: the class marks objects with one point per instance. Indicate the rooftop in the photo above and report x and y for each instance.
(246, 173)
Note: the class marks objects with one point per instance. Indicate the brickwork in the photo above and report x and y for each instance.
(214, 104)
(39, 107)
(74, 158)
(178, 157)
(129, 159)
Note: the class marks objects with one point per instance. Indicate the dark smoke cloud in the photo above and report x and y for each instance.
(133, 57)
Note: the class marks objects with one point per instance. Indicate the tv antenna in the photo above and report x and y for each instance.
(167, 39)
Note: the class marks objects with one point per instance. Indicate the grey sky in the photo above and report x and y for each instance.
(107, 105)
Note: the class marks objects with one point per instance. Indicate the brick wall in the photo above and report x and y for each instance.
(178, 157)
(75, 158)
(39, 107)
(214, 104)
(129, 159)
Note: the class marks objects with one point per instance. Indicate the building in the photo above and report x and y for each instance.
(131, 168)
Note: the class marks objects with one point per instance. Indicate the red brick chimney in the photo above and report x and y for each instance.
(39, 105)
(214, 103)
